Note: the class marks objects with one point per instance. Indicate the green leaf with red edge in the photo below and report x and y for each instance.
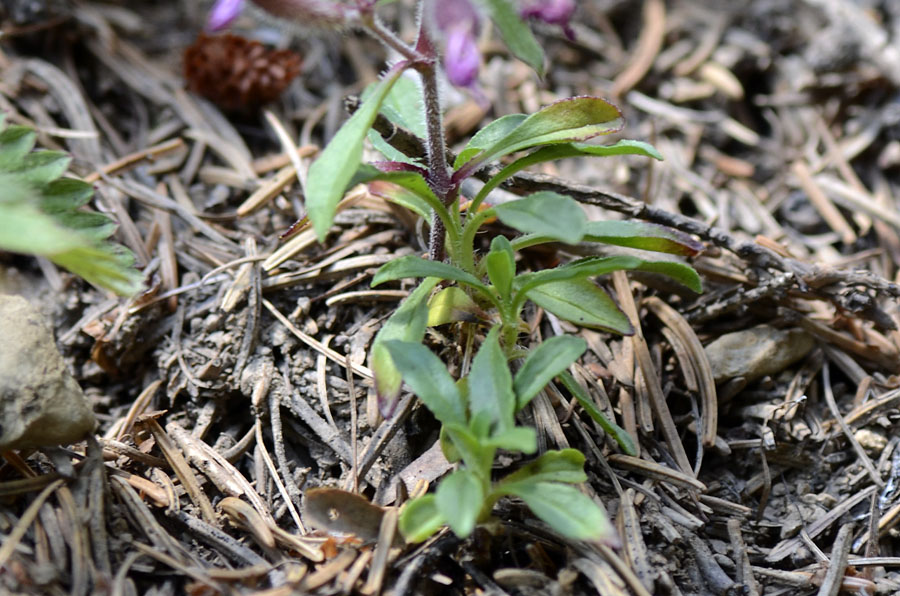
(564, 121)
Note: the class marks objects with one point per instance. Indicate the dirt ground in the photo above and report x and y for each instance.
(239, 380)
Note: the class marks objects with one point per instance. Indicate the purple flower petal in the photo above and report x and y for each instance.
(554, 12)
(223, 13)
(461, 56)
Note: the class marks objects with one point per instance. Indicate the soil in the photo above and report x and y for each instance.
(238, 381)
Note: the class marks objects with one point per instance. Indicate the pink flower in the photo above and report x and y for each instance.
(554, 12)
(223, 13)
(456, 23)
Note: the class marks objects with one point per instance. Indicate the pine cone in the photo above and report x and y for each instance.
(236, 73)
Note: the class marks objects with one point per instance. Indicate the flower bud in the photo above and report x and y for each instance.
(456, 24)
(223, 13)
(323, 14)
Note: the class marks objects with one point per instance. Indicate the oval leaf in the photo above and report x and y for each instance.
(565, 465)
(459, 499)
(546, 213)
(583, 303)
(450, 305)
(544, 362)
(643, 236)
(565, 509)
(490, 384)
(428, 378)
(420, 519)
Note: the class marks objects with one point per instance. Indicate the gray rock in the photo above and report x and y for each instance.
(41, 404)
(757, 352)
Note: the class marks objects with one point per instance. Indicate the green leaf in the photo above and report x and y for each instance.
(501, 266)
(566, 465)
(466, 445)
(459, 498)
(546, 213)
(518, 438)
(451, 453)
(25, 229)
(411, 181)
(333, 170)
(41, 167)
(428, 378)
(543, 363)
(643, 236)
(572, 119)
(15, 143)
(619, 434)
(491, 134)
(401, 196)
(407, 324)
(683, 274)
(562, 151)
(583, 303)
(516, 33)
(490, 384)
(65, 194)
(413, 266)
(450, 305)
(420, 519)
(403, 106)
(565, 509)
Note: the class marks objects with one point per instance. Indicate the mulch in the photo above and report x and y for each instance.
(238, 382)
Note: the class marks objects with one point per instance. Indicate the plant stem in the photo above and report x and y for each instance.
(376, 29)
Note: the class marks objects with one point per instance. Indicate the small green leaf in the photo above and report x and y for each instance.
(459, 498)
(501, 266)
(420, 519)
(583, 303)
(15, 143)
(516, 33)
(643, 236)
(413, 266)
(411, 181)
(403, 106)
(619, 434)
(333, 170)
(65, 194)
(428, 378)
(543, 363)
(469, 447)
(566, 465)
(490, 384)
(546, 213)
(450, 305)
(565, 509)
(408, 324)
(518, 438)
(683, 274)
(41, 167)
(451, 453)
(567, 120)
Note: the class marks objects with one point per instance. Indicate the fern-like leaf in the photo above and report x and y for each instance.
(43, 214)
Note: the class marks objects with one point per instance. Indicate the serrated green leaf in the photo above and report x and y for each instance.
(330, 174)
(564, 121)
(546, 213)
(583, 303)
(459, 499)
(106, 265)
(428, 378)
(24, 229)
(566, 465)
(420, 519)
(501, 266)
(565, 509)
(408, 324)
(413, 266)
(490, 384)
(516, 33)
(619, 434)
(544, 362)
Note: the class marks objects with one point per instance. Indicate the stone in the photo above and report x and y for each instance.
(757, 352)
(41, 404)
